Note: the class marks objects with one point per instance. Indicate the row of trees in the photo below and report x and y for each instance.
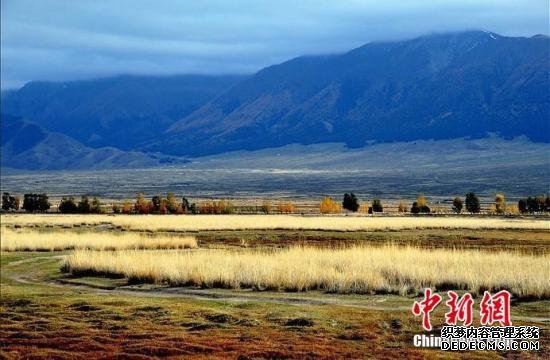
(159, 205)
(471, 204)
(84, 206)
(172, 205)
(31, 202)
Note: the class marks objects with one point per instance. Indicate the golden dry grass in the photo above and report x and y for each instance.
(244, 222)
(24, 240)
(350, 270)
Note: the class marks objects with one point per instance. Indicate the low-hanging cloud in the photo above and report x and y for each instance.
(69, 40)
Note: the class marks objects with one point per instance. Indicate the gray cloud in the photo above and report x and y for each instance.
(67, 40)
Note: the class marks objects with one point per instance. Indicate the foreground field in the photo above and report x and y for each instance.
(45, 316)
(49, 313)
(360, 270)
(25, 240)
(272, 222)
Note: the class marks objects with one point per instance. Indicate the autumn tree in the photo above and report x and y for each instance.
(457, 205)
(127, 207)
(350, 202)
(420, 205)
(172, 205)
(500, 203)
(472, 203)
(329, 206)
(142, 206)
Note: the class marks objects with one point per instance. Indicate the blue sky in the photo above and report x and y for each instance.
(70, 40)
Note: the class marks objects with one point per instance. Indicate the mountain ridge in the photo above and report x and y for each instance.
(429, 86)
(438, 86)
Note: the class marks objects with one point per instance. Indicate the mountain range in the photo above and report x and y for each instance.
(439, 86)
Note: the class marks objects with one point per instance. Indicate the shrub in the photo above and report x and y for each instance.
(472, 203)
(286, 207)
(377, 206)
(216, 207)
(329, 206)
(512, 210)
(401, 208)
(266, 207)
(457, 205)
(68, 206)
(350, 202)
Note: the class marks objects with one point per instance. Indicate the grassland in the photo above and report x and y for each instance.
(273, 222)
(28, 240)
(362, 270)
(358, 285)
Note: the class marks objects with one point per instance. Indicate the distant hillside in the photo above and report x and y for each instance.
(444, 86)
(27, 145)
(121, 111)
(437, 86)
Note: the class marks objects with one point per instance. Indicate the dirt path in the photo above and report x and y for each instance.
(208, 294)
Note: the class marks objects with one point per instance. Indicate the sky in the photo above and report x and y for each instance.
(59, 40)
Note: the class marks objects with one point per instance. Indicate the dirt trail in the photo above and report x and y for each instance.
(208, 294)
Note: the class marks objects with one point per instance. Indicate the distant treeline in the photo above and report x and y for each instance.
(350, 203)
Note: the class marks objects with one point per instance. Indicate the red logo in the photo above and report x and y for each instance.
(493, 308)
(425, 307)
(460, 310)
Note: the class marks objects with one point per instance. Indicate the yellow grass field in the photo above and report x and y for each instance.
(25, 240)
(351, 270)
(291, 222)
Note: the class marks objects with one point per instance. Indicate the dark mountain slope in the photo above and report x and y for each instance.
(122, 111)
(28, 146)
(437, 86)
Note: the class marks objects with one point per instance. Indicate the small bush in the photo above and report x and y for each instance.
(285, 207)
(216, 207)
(266, 207)
(401, 208)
